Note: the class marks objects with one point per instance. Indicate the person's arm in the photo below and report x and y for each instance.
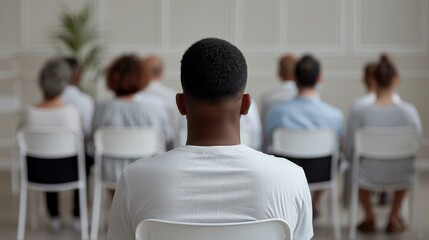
(120, 226)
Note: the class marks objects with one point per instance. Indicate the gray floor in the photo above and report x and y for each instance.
(323, 226)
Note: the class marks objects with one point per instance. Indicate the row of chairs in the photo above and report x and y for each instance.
(377, 144)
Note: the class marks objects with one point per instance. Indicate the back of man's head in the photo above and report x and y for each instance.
(287, 64)
(212, 70)
(155, 67)
(307, 72)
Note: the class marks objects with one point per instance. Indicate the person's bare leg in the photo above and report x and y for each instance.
(398, 198)
(396, 223)
(368, 224)
(365, 201)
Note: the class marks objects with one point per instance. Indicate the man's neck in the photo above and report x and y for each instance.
(213, 134)
(307, 92)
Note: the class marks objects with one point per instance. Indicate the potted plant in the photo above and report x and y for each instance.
(78, 36)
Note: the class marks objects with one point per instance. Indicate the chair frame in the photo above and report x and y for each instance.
(331, 149)
(100, 151)
(144, 225)
(80, 184)
(394, 153)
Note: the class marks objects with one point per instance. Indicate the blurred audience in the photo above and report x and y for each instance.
(306, 112)
(386, 111)
(53, 112)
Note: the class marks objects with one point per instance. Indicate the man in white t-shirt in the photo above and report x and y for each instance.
(213, 179)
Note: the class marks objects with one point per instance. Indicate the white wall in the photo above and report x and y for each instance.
(344, 34)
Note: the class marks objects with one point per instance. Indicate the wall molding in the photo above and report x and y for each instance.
(415, 50)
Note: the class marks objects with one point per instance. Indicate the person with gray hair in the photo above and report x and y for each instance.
(52, 111)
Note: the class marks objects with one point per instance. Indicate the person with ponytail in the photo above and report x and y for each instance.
(384, 112)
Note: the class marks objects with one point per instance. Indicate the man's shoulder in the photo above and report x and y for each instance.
(331, 110)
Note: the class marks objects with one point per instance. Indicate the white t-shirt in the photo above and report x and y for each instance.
(215, 184)
(64, 116)
(83, 103)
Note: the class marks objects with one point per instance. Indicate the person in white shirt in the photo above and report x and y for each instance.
(53, 112)
(74, 96)
(286, 91)
(213, 179)
(159, 97)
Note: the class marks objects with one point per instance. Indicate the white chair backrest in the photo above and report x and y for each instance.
(304, 143)
(49, 142)
(386, 143)
(127, 142)
(273, 229)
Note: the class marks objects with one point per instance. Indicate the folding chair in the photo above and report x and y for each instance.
(274, 229)
(385, 144)
(122, 143)
(310, 144)
(51, 143)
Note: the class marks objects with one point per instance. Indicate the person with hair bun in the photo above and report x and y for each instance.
(385, 112)
(125, 77)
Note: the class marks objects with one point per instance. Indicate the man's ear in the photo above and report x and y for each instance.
(180, 102)
(245, 104)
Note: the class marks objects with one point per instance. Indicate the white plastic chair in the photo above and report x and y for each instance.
(11, 104)
(274, 229)
(122, 143)
(308, 144)
(384, 144)
(51, 143)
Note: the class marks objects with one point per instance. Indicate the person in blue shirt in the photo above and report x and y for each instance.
(306, 112)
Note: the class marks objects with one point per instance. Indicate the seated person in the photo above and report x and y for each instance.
(305, 112)
(385, 112)
(159, 98)
(213, 179)
(125, 78)
(52, 112)
(286, 91)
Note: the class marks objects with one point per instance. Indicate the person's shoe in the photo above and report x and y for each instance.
(76, 224)
(56, 224)
(367, 226)
(395, 225)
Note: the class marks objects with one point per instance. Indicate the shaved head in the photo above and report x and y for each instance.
(287, 67)
(154, 66)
